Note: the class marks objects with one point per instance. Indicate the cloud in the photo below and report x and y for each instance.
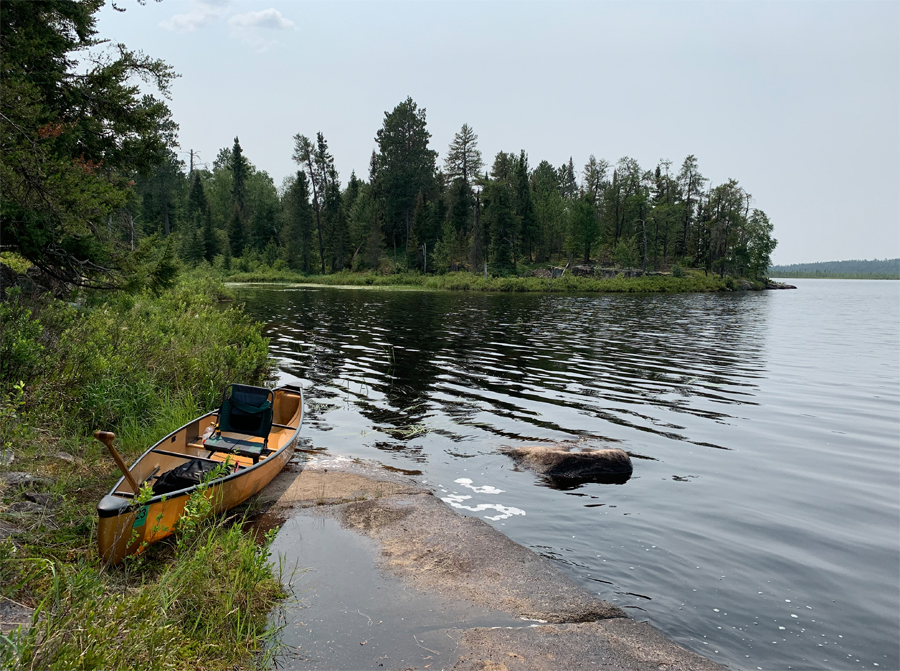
(268, 19)
(202, 13)
(255, 28)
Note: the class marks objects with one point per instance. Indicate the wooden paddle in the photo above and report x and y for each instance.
(107, 438)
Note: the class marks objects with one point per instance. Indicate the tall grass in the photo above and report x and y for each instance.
(120, 360)
(140, 366)
(207, 610)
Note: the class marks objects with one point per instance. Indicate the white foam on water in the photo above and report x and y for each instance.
(505, 511)
(485, 489)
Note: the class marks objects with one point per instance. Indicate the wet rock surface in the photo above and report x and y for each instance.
(621, 644)
(427, 544)
(390, 577)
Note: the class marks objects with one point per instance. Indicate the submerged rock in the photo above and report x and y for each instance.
(561, 464)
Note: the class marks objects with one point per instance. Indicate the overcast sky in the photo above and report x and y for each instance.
(798, 101)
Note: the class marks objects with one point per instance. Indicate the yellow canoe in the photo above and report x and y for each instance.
(127, 526)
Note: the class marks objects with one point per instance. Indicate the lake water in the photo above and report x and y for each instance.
(761, 527)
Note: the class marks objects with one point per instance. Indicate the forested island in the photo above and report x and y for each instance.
(876, 269)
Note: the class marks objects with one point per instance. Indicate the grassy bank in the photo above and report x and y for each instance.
(690, 282)
(140, 366)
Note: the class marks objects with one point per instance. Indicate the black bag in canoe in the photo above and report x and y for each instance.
(189, 474)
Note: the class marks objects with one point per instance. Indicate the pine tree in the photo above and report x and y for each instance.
(316, 162)
(463, 157)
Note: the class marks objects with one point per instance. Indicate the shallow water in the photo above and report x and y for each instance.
(761, 526)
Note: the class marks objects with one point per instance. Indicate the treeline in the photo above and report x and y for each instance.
(93, 192)
(875, 269)
(418, 212)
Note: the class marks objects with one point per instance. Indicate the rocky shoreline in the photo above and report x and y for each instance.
(472, 599)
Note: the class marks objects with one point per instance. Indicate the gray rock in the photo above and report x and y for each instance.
(65, 456)
(558, 461)
(778, 285)
(25, 508)
(619, 643)
(424, 542)
(6, 457)
(14, 615)
(8, 530)
(50, 501)
(20, 479)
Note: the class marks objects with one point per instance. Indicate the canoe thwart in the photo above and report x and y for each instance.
(184, 456)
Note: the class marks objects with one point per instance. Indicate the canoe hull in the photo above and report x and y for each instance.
(126, 528)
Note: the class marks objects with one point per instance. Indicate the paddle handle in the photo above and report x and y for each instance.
(107, 438)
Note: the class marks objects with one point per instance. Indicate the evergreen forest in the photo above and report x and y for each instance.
(97, 192)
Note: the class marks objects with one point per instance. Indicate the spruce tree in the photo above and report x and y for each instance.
(299, 235)
(200, 216)
(236, 233)
(501, 220)
(585, 228)
(529, 228)
(403, 166)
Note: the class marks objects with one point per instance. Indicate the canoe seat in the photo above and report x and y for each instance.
(245, 420)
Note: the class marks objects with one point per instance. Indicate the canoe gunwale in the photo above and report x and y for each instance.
(112, 508)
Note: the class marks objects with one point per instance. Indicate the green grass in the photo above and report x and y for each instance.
(691, 282)
(207, 609)
(140, 366)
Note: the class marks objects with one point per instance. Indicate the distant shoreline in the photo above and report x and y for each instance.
(859, 269)
(835, 276)
(462, 281)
